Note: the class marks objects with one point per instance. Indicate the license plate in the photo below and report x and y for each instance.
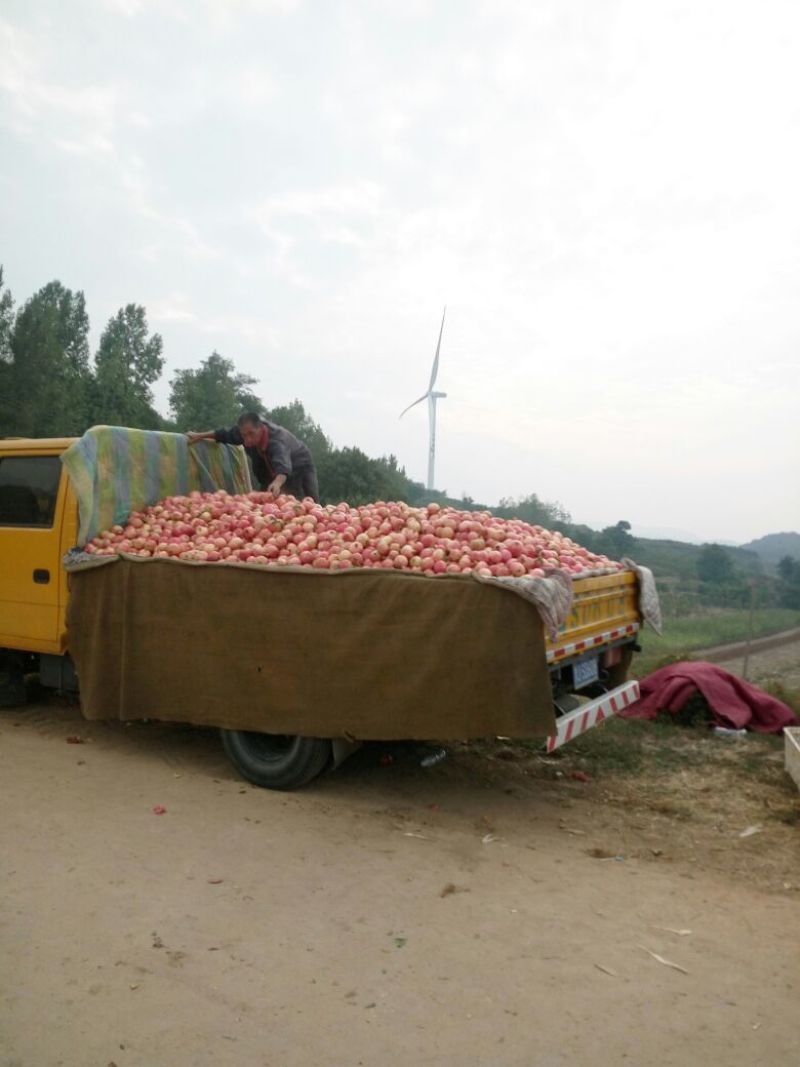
(584, 672)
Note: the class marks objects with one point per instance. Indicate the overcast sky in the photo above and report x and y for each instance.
(606, 196)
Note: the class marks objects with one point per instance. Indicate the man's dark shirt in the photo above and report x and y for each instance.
(285, 454)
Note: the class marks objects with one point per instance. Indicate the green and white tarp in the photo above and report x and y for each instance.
(116, 470)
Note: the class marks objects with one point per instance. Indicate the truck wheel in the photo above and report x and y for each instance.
(276, 761)
(12, 682)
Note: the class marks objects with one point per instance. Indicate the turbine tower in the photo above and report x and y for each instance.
(431, 396)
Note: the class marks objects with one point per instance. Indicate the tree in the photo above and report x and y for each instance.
(6, 324)
(533, 510)
(789, 587)
(126, 365)
(6, 320)
(49, 375)
(714, 565)
(214, 395)
(296, 420)
(616, 541)
(349, 474)
(788, 567)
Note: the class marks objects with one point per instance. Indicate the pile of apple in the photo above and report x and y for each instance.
(279, 532)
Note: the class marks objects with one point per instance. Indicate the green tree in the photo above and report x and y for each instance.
(214, 395)
(714, 565)
(6, 325)
(296, 420)
(349, 474)
(586, 536)
(789, 582)
(616, 541)
(787, 568)
(127, 363)
(533, 510)
(50, 376)
(6, 320)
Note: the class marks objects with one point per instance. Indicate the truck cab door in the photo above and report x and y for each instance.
(31, 503)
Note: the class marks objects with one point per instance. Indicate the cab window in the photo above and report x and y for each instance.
(28, 490)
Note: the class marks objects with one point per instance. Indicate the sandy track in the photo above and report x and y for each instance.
(723, 653)
(385, 915)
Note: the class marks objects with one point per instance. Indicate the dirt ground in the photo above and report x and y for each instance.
(498, 908)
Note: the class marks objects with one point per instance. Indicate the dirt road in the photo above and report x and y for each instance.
(737, 649)
(387, 915)
(770, 659)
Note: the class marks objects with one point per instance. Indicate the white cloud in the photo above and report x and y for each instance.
(252, 87)
(358, 201)
(127, 8)
(39, 104)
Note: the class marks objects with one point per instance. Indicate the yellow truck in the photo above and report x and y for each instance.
(294, 668)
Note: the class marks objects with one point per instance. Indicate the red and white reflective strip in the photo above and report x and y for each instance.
(592, 714)
(565, 651)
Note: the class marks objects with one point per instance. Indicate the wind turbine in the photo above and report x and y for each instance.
(431, 396)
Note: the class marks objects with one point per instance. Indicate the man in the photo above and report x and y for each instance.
(281, 462)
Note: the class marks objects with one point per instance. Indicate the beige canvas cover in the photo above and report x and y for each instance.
(362, 654)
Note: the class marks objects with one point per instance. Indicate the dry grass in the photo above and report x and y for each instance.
(671, 793)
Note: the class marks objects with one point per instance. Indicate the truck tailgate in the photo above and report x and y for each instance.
(604, 611)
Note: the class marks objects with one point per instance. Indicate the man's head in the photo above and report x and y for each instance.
(251, 428)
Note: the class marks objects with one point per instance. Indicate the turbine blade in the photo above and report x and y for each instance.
(410, 406)
(435, 370)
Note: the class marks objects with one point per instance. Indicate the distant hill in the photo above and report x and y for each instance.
(678, 559)
(773, 547)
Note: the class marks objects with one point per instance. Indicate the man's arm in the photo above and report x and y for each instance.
(222, 437)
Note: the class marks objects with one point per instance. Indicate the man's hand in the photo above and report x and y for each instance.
(276, 485)
(195, 437)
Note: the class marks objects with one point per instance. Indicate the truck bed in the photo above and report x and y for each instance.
(356, 654)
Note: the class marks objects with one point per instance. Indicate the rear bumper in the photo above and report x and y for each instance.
(592, 714)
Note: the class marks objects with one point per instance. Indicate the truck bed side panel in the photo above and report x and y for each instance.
(361, 654)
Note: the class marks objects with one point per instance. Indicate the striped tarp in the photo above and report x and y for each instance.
(116, 470)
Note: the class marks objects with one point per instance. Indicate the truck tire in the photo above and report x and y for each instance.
(276, 761)
(12, 681)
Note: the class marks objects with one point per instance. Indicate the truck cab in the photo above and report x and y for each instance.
(38, 524)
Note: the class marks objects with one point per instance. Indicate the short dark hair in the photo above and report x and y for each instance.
(251, 418)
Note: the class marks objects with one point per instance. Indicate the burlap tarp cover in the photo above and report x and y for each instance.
(358, 654)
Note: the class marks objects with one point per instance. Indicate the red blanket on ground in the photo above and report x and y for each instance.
(733, 702)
